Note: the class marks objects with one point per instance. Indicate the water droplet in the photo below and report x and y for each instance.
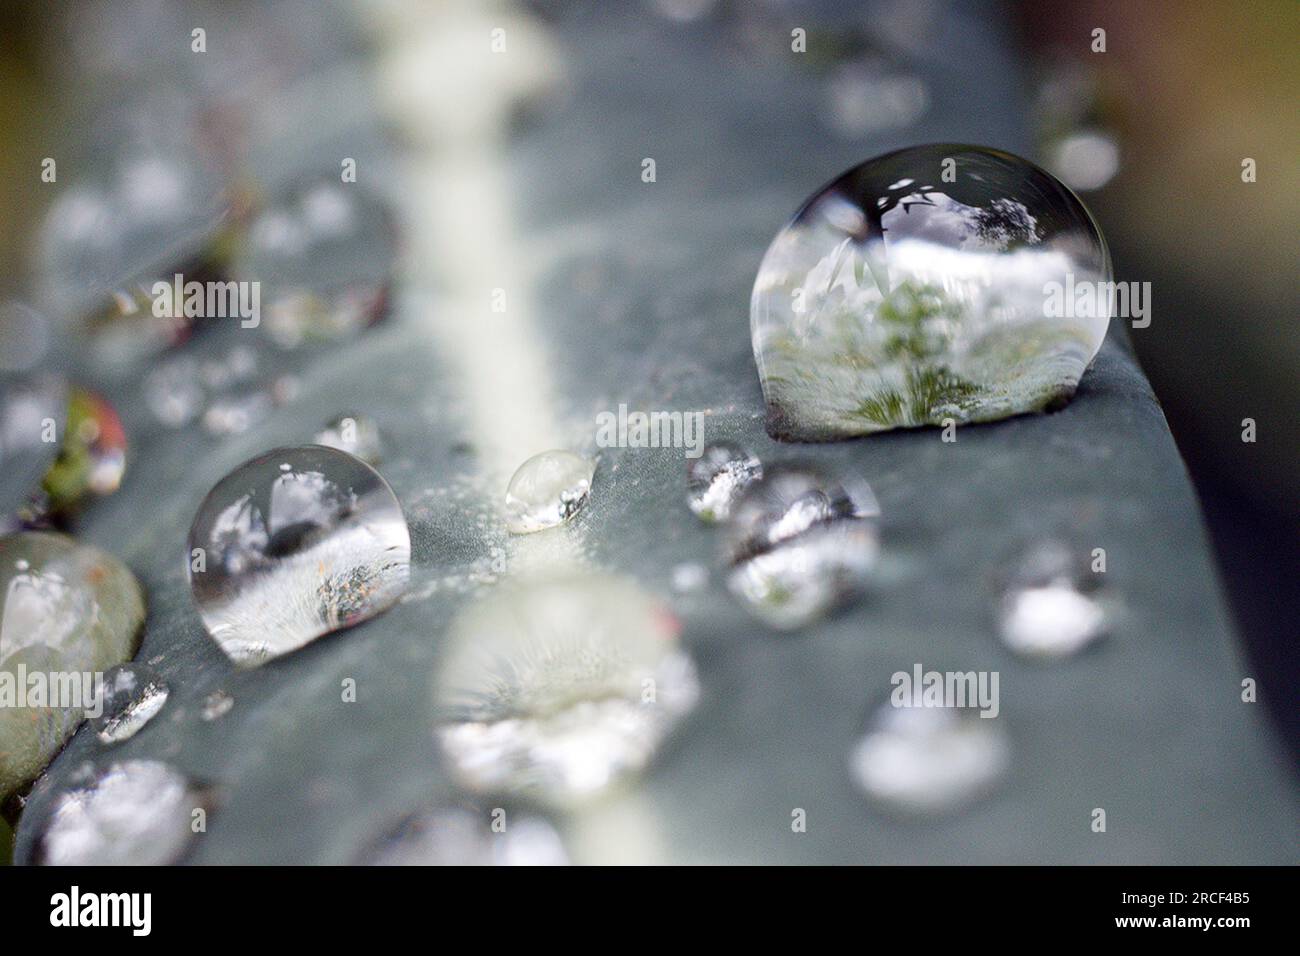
(64, 607)
(868, 96)
(92, 456)
(216, 705)
(136, 812)
(292, 554)
(27, 406)
(1052, 605)
(928, 760)
(689, 577)
(314, 232)
(173, 392)
(880, 307)
(559, 687)
(236, 414)
(355, 434)
(716, 479)
(455, 836)
(547, 490)
(132, 696)
(799, 543)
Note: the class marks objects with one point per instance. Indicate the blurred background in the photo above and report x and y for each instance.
(1152, 132)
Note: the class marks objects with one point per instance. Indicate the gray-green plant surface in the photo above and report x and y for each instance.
(637, 292)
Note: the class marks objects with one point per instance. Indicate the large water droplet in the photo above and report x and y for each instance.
(136, 812)
(715, 480)
(896, 298)
(292, 545)
(547, 490)
(455, 836)
(559, 687)
(799, 543)
(1052, 605)
(64, 607)
(132, 696)
(928, 760)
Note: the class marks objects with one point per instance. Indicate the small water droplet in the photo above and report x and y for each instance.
(27, 406)
(1052, 605)
(547, 490)
(173, 393)
(132, 695)
(559, 687)
(298, 542)
(689, 577)
(217, 704)
(715, 480)
(92, 456)
(357, 435)
(136, 812)
(799, 543)
(455, 836)
(928, 760)
(880, 307)
(236, 413)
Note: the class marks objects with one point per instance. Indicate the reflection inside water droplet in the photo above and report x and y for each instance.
(136, 812)
(799, 543)
(547, 490)
(292, 545)
(715, 480)
(132, 696)
(559, 687)
(928, 760)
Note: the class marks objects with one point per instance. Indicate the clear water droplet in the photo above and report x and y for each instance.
(132, 696)
(800, 543)
(559, 687)
(1052, 605)
(216, 705)
(547, 490)
(455, 836)
(883, 305)
(136, 813)
(928, 760)
(715, 480)
(357, 435)
(292, 554)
